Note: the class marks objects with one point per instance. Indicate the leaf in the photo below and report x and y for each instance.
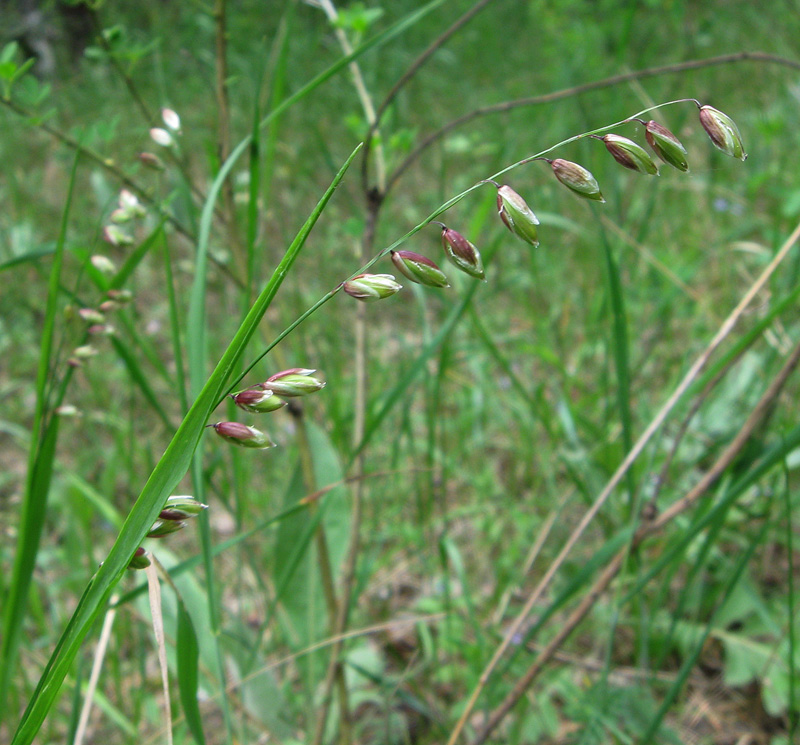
(41, 454)
(9, 52)
(187, 655)
(167, 474)
(299, 588)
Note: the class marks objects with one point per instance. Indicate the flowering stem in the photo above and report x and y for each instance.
(564, 93)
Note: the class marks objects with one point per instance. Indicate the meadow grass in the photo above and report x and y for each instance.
(397, 569)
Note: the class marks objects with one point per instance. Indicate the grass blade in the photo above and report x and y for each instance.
(187, 654)
(44, 434)
(167, 474)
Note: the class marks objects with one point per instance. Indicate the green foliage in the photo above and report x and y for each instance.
(493, 414)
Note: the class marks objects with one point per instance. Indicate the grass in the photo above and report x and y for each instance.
(493, 416)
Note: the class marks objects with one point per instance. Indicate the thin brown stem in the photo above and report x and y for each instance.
(410, 72)
(609, 82)
(753, 422)
(359, 424)
(374, 200)
(224, 125)
(323, 554)
(133, 92)
(109, 165)
(724, 330)
(663, 474)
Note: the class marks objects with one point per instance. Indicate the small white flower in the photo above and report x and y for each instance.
(161, 136)
(127, 199)
(116, 237)
(103, 264)
(171, 119)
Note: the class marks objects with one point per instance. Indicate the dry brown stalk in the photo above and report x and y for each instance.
(724, 330)
(650, 72)
(754, 421)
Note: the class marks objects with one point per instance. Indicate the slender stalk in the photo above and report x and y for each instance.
(410, 72)
(751, 425)
(609, 82)
(726, 328)
(41, 457)
(325, 569)
(224, 125)
(363, 96)
(335, 671)
(97, 666)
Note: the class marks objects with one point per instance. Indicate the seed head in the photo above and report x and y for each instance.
(462, 253)
(120, 296)
(101, 329)
(257, 400)
(103, 264)
(165, 527)
(666, 145)
(577, 178)
(181, 508)
(296, 381)
(371, 287)
(129, 202)
(241, 434)
(68, 410)
(516, 215)
(116, 237)
(91, 315)
(151, 160)
(129, 208)
(627, 153)
(139, 560)
(171, 119)
(723, 132)
(120, 216)
(161, 137)
(419, 269)
(84, 352)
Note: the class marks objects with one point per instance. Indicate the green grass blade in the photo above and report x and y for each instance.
(135, 257)
(140, 379)
(26, 258)
(689, 662)
(619, 342)
(769, 459)
(165, 477)
(399, 391)
(794, 714)
(41, 453)
(187, 655)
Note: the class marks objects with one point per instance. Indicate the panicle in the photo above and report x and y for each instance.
(630, 154)
(419, 269)
(723, 132)
(462, 253)
(371, 287)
